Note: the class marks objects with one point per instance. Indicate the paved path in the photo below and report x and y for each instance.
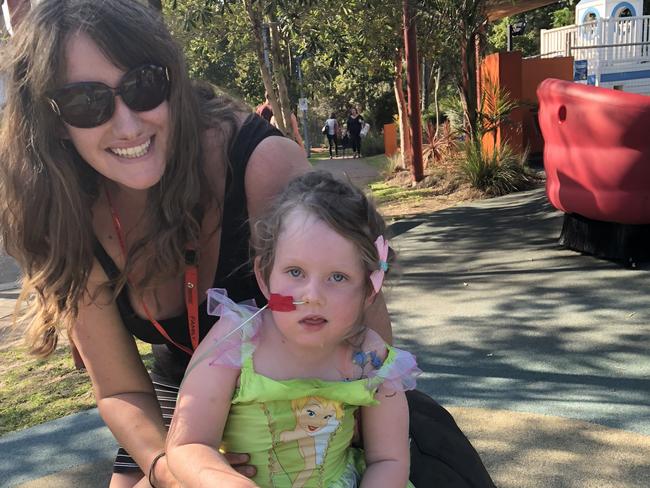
(541, 354)
(356, 170)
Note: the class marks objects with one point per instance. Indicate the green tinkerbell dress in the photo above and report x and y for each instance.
(298, 432)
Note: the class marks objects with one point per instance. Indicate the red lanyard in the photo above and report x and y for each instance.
(190, 285)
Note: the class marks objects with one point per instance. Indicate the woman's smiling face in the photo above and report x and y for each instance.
(130, 148)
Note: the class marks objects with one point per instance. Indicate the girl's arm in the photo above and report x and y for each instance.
(123, 390)
(386, 441)
(199, 420)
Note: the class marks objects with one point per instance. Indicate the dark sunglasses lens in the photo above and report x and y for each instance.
(85, 105)
(144, 88)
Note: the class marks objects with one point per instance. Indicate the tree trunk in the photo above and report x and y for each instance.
(256, 25)
(468, 82)
(425, 88)
(281, 81)
(435, 99)
(404, 128)
(413, 89)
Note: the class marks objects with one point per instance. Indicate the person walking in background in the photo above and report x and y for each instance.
(354, 124)
(264, 109)
(332, 127)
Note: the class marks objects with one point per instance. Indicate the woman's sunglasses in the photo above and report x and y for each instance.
(91, 103)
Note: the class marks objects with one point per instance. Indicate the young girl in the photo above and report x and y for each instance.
(285, 385)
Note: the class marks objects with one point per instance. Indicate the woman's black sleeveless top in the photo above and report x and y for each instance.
(234, 272)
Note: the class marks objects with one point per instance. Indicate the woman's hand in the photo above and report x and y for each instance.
(238, 463)
(162, 476)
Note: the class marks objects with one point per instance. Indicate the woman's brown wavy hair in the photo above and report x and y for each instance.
(47, 190)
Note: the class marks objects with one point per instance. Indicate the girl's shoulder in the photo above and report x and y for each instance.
(236, 334)
(373, 343)
(382, 364)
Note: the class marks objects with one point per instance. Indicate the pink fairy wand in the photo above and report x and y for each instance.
(276, 303)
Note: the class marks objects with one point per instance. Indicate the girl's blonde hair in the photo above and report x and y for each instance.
(47, 190)
(299, 403)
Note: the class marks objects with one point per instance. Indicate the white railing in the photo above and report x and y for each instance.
(609, 41)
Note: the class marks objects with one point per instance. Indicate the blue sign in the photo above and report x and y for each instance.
(580, 70)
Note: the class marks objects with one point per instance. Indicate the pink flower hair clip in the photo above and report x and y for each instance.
(377, 276)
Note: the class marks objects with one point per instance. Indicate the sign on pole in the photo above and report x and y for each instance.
(580, 70)
(302, 104)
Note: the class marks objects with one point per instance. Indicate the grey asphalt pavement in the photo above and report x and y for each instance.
(540, 353)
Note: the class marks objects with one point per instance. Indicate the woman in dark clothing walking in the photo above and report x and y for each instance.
(354, 124)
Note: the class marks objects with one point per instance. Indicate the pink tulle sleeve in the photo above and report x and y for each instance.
(233, 342)
(396, 375)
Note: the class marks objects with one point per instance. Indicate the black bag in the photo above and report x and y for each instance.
(441, 455)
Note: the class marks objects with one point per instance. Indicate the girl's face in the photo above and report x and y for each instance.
(315, 264)
(130, 148)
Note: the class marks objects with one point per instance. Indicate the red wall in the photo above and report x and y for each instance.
(520, 77)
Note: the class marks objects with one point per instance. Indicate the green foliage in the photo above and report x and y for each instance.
(452, 107)
(494, 108)
(495, 172)
(372, 144)
(347, 47)
(217, 42)
(554, 15)
(562, 17)
(381, 109)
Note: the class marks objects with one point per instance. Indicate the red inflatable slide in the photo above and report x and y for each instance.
(596, 151)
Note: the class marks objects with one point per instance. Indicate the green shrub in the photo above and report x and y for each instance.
(372, 144)
(497, 173)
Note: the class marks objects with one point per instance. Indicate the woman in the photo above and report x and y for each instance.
(354, 125)
(332, 126)
(114, 167)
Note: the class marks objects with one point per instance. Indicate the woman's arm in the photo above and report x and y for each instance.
(200, 417)
(123, 391)
(386, 443)
(378, 319)
(274, 162)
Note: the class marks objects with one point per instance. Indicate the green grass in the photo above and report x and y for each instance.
(318, 156)
(380, 161)
(33, 391)
(385, 194)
